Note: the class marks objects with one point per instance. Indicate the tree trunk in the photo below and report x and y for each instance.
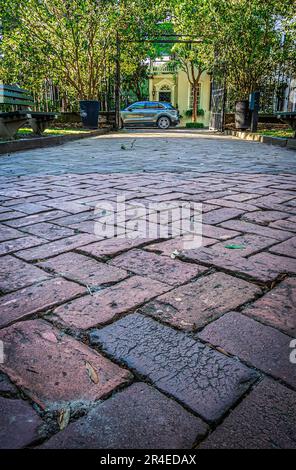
(195, 103)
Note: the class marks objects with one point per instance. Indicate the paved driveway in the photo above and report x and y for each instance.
(151, 150)
(156, 345)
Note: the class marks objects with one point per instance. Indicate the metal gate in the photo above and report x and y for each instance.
(218, 96)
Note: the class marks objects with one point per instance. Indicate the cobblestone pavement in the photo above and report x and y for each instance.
(137, 343)
(152, 150)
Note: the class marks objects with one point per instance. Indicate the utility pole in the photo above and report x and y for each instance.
(117, 83)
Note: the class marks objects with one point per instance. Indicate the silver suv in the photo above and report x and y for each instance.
(147, 113)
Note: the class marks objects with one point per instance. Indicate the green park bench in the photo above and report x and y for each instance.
(21, 114)
(288, 117)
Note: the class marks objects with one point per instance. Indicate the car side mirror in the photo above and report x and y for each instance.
(130, 109)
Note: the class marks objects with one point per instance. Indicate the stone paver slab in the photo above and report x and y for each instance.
(266, 419)
(36, 218)
(264, 217)
(277, 307)
(29, 207)
(194, 305)
(37, 298)
(157, 267)
(18, 244)
(139, 417)
(83, 269)
(74, 218)
(273, 262)
(109, 248)
(19, 424)
(247, 227)
(8, 233)
(264, 270)
(211, 231)
(220, 215)
(286, 224)
(108, 304)
(206, 381)
(6, 216)
(286, 248)
(244, 245)
(55, 248)
(245, 207)
(170, 247)
(15, 274)
(67, 206)
(49, 231)
(242, 197)
(66, 371)
(259, 345)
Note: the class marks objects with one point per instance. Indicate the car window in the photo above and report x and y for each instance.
(169, 106)
(153, 106)
(138, 106)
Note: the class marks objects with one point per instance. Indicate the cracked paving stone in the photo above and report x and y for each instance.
(19, 424)
(258, 345)
(16, 274)
(85, 270)
(53, 368)
(138, 417)
(205, 380)
(105, 305)
(192, 306)
(157, 267)
(265, 419)
(277, 307)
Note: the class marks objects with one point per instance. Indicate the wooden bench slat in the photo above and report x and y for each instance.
(16, 102)
(15, 95)
(12, 88)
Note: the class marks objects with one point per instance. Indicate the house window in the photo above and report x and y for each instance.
(191, 96)
(165, 94)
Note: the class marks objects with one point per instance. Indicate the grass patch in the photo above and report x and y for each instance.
(26, 131)
(285, 133)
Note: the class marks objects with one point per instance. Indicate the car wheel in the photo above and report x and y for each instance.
(163, 122)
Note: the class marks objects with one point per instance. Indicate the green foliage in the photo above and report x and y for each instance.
(73, 44)
(248, 41)
(200, 112)
(194, 125)
(285, 133)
